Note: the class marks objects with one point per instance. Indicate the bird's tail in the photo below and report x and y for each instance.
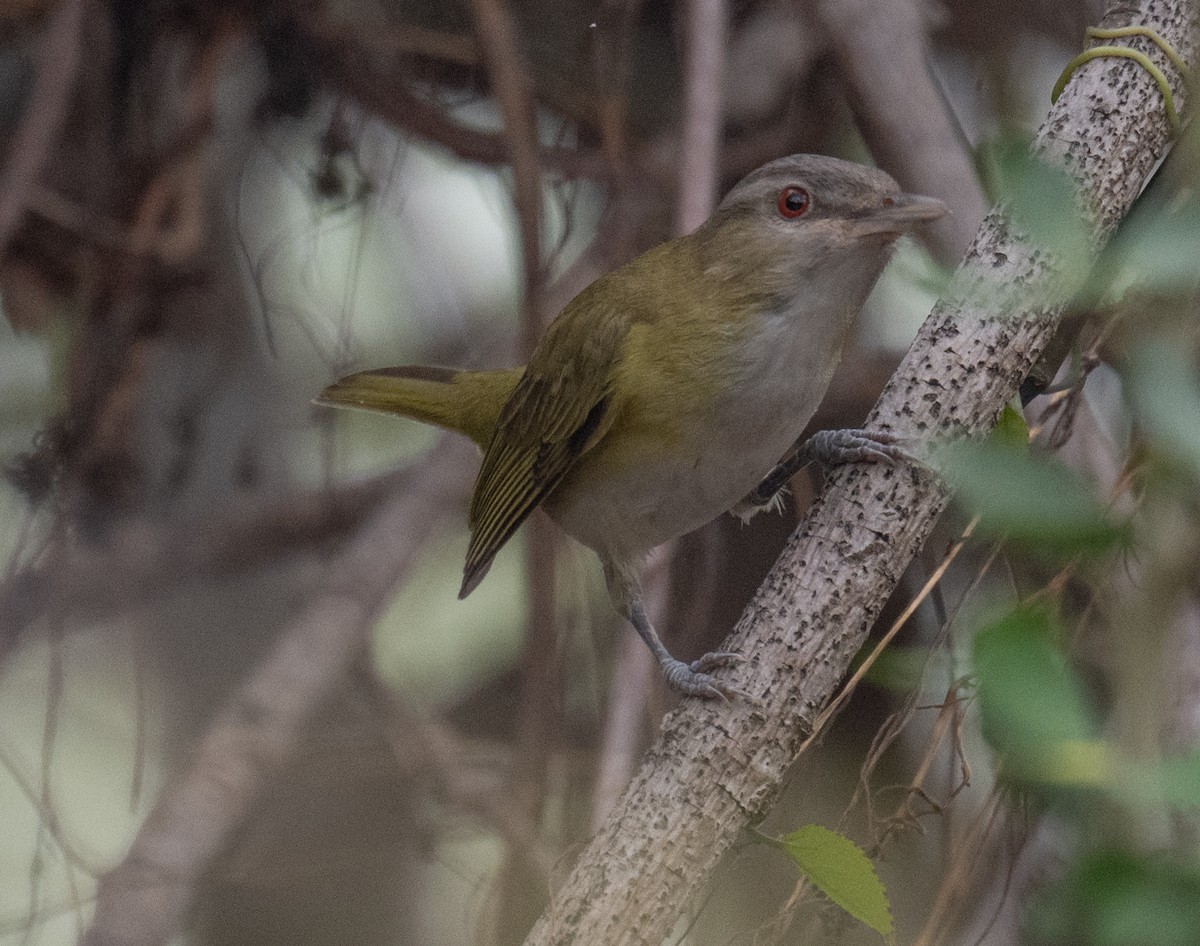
(467, 402)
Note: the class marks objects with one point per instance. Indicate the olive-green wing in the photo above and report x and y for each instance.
(558, 411)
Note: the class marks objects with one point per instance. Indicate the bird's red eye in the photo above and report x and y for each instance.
(793, 202)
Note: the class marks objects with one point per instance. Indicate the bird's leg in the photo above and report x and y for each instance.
(691, 679)
(829, 448)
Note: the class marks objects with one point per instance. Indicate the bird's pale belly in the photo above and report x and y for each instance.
(700, 465)
(624, 509)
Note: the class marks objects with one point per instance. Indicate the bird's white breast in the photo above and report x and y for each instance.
(775, 378)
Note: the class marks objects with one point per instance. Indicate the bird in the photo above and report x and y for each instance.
(675, 388)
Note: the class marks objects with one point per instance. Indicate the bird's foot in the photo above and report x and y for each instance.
(694, 679)
(835, 447)
(829, 448)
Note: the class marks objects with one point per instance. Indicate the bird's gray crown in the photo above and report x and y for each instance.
(837, 187)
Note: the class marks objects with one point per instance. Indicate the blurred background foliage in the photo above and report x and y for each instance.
(239, 202)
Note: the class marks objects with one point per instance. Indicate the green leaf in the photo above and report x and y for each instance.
(1175, 781)
(1157, 248)
(1181, 780)
(1033, 706)
(1166, 398)
(840, 870)
(1041, 201)
(1011, 429)
(1034, 501)
(901, 668)
(1113, 898)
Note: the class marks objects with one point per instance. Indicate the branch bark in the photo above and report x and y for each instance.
(718, 768)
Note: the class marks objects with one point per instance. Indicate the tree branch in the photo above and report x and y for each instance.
(44, 115)
(140, 562)
(717, 768)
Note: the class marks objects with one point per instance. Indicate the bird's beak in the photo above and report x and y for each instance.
(899, 213)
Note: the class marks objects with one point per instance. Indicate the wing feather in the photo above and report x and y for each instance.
(557, 412)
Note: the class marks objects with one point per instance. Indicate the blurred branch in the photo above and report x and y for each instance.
(344, 59)
(704, 90)
(347, 62)
(614, 51)
(634, 675)
(465, 774)
(717, 768)
(513, 90)
(170, 219)
(44, 114)
(142, 561)
(144, 900)
(881, 47)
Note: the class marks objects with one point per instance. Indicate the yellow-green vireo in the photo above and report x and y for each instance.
(667, 391)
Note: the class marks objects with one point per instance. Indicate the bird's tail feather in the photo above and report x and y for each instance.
(467, 402)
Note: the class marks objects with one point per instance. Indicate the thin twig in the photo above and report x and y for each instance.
(835, 705)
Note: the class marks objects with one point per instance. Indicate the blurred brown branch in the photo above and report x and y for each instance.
(539, 726)
(44, 114)
(703, 115)
(348, 60)
(141, 561)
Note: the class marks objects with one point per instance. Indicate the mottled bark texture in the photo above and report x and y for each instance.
(717, 768)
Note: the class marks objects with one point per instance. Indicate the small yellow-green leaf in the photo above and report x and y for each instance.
(840, 870)
(1011, 428)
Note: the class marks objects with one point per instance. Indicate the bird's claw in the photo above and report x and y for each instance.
(694, 680)
(715, 660)
(835, 447)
